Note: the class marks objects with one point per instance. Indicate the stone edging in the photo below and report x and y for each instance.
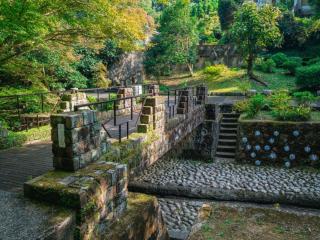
(225, 194)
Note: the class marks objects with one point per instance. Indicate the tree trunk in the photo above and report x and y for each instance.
(190, 67)
(250, 66)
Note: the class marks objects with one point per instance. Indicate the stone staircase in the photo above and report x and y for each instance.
(227, 142)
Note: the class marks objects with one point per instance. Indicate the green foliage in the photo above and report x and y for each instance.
(16, 139)
(226, 11)
(252, 106)
(304, 98)
(208, 24)
(33, 29)
(295, 30)
(267, 66)
(176, 42)
(279, 59)
(110, 53)
(308, 76)
(215, 70)
(299, 113)
(254, 29)
(292, 64)
(282, 109)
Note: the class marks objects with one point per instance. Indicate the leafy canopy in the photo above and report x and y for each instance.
(254, 29)
(176, 42)
(27, 25)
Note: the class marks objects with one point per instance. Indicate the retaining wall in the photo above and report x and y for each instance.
(279, 143)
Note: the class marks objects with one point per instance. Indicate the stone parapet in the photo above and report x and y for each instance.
(76, 139)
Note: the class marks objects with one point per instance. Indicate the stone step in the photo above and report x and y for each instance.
(231, 115)
(229, 124)
(227, 142)
(227, 136)
(225, 154)
(228, 130)
(229, 120)
(224, 148)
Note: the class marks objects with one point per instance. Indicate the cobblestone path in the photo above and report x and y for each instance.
(230, 182)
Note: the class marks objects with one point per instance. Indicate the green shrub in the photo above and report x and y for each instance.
(279, 100)
(300, 113)
(313, 61)
(267, 66)
(304, 98)
(254, 105)
(292, 64)
(241, 106)
(215, 70)
(279, 59)
(308, 76)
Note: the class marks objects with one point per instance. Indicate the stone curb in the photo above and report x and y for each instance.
(225, 194)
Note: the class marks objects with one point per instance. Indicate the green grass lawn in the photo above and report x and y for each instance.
(243, 223)
(233, 80)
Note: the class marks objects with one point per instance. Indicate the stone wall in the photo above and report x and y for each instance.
(157, 135)
(129, 69)
(218, 54)
(279, 143)
(202, 142)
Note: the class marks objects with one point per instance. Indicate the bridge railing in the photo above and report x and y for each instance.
(172, 101)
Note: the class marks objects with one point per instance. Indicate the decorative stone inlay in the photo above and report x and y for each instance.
(276, 133)
(286, 148)
(248, 147)
(273, 155)
(253, 154)
(307, 149)
(296, 133)
(257, 133)
(257, 148)
(267, 148)
(292, 156)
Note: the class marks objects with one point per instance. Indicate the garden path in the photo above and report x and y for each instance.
(19, 164)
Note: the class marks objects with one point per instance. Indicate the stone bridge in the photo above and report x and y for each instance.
(92, 171)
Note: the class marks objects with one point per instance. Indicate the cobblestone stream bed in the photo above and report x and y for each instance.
(230, 182)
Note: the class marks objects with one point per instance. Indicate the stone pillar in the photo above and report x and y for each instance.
(96, 190)
(185, 101)
(154, 90)
(71, 99)
(124, 106)
(202, 94)
(153, 115)
(76, 139)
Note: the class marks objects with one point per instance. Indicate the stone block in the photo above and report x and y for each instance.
(181, 110)
(143, 128)
(93, 186)
(65, 105)
(147, 110)
(146, 119)
(152, 101)
(144, 217)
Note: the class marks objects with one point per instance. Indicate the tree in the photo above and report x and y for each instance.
(254, 29)
(226, 10)
(208, 24)
(33, 25)
(176, 42)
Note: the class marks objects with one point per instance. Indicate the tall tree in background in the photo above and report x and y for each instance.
(255, 29)
(176, 41)
(208, 20)
(226, 11)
